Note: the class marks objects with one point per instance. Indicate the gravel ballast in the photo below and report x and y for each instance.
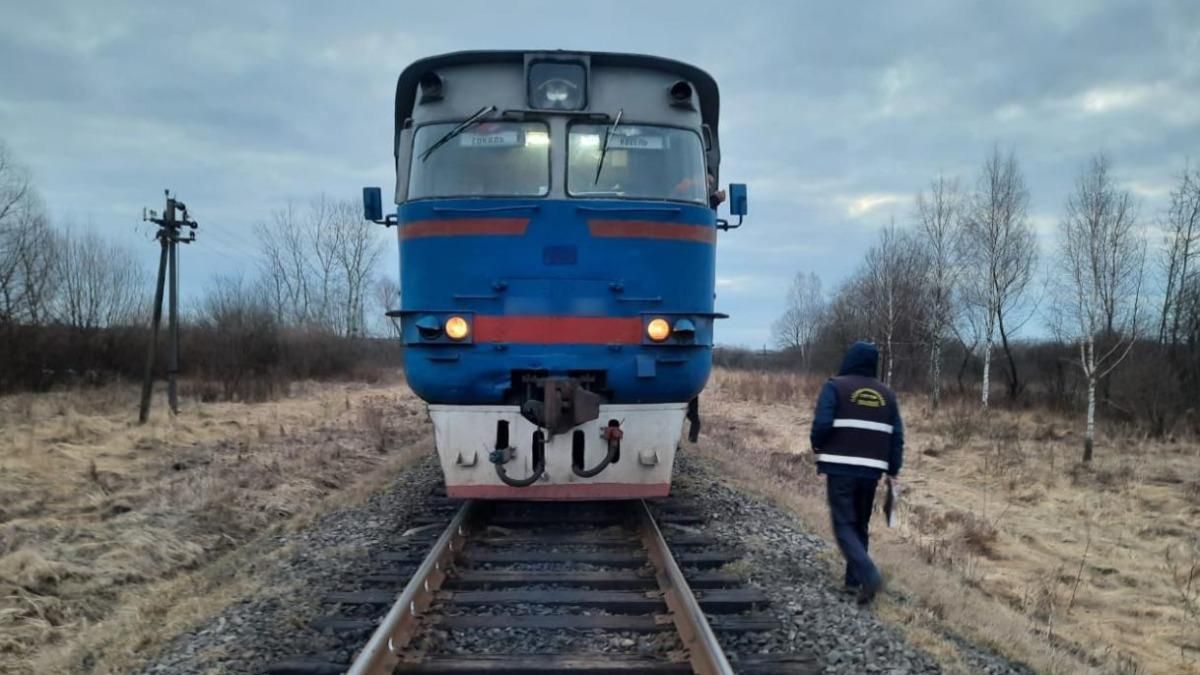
(786, 562)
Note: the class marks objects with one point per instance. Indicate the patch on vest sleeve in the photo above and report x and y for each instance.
(867, 398)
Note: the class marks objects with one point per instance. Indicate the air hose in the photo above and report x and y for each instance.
(612, 433)
(538, 470)
(501, 456)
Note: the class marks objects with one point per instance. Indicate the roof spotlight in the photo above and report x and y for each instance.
(681, 93)
(431, 87)
(555, 85)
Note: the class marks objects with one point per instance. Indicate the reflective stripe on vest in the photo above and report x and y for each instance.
(856, 461)
(863, 424)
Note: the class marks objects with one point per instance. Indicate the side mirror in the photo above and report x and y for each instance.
(737, 199)
(372, 204)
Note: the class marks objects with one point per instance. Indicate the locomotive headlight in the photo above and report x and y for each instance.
(658, 329)
(457, 328)
(557, 85)
(556, 92)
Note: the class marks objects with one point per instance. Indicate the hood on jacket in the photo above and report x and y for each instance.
(861, 359)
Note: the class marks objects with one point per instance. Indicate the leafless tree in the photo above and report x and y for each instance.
(1182, 226)
(1102, 253)
(797, 327)
(387, 296)
(285, 266)
(356, 257)
(1003, 250)
(16, 187)
(38, 257)
(324, 237)
(102, 282)
(28, 248)
(939, 221)
(16, 204)
(317, 263)
(895, 293)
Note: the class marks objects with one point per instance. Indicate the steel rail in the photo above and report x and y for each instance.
(704, 652)
(380, 656)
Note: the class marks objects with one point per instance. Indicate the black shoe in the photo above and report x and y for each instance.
(851, 589)
(867, 593)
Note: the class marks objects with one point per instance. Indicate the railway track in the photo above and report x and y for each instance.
(598, 588)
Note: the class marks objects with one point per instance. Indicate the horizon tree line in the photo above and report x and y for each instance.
(967, 273)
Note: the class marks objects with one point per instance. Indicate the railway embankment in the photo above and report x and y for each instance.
(210, 542)
(1004, 539)
(115, 537)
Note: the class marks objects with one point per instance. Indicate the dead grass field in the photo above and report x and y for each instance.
(114, 536)
(1003, 535)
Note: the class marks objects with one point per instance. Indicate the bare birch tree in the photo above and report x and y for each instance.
(1002, 249)
(895, 291)
(939, 220)
(797, 327)
(1103, 255)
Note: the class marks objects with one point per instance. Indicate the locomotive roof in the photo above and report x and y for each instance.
(706, 86)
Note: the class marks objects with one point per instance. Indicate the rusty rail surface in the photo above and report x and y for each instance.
(379, 656)
(704, 652)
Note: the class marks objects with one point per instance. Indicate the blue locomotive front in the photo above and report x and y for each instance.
(557, 231)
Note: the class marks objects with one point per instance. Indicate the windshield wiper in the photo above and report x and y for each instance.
(604, 149)
(450, 135)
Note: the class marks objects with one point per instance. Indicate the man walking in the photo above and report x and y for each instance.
(857, 435)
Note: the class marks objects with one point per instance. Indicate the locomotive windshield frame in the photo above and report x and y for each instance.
(636, 90)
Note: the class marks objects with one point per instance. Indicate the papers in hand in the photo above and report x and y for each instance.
(891, 503)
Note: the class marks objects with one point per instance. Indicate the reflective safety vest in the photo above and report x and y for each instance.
(862, 423)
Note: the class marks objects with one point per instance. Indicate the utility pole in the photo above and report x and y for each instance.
(173, 220)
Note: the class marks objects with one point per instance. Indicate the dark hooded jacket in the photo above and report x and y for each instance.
(860, 363)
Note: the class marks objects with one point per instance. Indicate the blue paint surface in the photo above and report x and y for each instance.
(557, 268)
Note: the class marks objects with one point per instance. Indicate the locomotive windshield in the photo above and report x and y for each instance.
(641, 162)
(491, 159)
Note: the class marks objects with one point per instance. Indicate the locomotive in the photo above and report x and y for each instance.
(556, 219)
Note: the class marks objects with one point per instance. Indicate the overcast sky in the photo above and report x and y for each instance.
(835, 114)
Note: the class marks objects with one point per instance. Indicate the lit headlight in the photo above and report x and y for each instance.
(658, 330)
(457, 328)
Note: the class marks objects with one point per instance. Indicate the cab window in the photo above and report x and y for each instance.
(492, 159)
(641, 162)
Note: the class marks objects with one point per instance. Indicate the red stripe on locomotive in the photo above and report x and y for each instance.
(650, 229)
(464, 227)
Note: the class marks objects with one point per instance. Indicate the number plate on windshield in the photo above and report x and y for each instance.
(639, 142)
(502, 139)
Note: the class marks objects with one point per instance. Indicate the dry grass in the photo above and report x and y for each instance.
(1002, 534)
(114, 536)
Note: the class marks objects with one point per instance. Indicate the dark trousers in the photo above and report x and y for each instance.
(850, 501)
(693, 416)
